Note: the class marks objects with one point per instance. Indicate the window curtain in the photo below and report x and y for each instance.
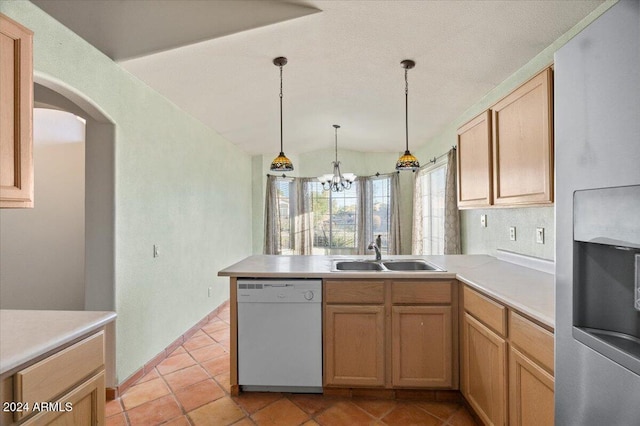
(364, 214)
(452, 243)
(271, 218)
(303, 216)
(394, 242)
(416, 232)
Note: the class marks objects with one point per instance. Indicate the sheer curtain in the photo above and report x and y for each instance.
(364, 213)
(452, 243)
(303, 216)
(272, 218)
(417, 246)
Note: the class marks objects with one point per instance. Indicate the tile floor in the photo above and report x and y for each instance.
(191, 387)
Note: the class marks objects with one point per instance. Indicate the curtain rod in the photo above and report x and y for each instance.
(434, 159)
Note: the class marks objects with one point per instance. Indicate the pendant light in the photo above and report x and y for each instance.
(281, 163)
(337, 182)
(407, 161)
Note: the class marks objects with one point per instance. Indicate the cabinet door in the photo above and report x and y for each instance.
(474, 162)
(82, 406)
(484, 371)
(421, 346)
(354, 345)
(523, 144)
(530, 392)
(16, 114)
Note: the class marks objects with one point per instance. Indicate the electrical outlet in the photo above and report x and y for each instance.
(512, 233)
(483, 220)
(156, 250)
(540, 235)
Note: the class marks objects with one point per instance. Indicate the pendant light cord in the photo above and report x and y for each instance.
(281, 150)
(336, 144)
(406, 108)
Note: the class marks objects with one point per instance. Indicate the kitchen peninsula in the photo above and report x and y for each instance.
(430, 333)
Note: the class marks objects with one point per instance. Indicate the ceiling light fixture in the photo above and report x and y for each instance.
(337, 182)
(281, 163)
(407, 161)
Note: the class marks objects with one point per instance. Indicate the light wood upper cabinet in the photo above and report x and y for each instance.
(523, 144)
(421, 346)
(16, 115)
(474, 163)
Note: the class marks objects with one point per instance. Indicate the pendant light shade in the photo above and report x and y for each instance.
(281, 163)
(407, 161)
(337, 182)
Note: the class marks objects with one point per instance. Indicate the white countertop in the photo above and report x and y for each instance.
(527, 290)
(27, 335)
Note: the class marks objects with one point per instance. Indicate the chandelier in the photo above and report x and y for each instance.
(337, 181)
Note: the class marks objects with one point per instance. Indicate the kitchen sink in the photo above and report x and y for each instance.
(410, 265)
(400, 265)
(358, 265)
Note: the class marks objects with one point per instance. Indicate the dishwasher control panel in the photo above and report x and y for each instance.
(279, 291)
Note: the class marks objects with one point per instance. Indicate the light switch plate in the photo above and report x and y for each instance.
(483, 220)
(512, 233)
(540, 235)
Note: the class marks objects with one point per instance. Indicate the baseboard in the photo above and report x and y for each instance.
(112, 393)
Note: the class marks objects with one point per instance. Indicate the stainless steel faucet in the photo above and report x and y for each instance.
(376, 246)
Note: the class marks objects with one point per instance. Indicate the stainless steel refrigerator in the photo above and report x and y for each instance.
(597, 157)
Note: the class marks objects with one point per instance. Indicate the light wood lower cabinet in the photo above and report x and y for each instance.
(421, 346)
(530, 392)
(506, 364)
(65, 388)
(400, 335)
(484, 379)
(354, 345)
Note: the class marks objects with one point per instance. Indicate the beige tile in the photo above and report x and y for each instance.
(253, 401)
(153, 374)
(311, 404)
(155, 412)
(208, 352)
(376, 407)
(198, 340)
(116, 420)
(217, 365)
(409, 414)
(281, 413)
(462, 418)
(442, 410)
(196, 395)
(344, 413)
(113, 407)
(186, 377)
(174, 363)
(224, 380)
(144, 392)
(221, 412)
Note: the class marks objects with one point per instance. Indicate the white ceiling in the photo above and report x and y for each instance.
(344, 61)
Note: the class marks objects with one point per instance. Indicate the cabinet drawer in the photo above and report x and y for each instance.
(421, 292)
(493, 314)
(359, 292)
(54, 375)
(532, 339)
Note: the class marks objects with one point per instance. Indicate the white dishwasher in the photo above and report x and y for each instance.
(280, 335)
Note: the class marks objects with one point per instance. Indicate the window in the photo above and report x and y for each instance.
(335, 222)
(432, 181)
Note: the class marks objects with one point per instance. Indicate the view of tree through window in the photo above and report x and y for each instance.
(335, 223)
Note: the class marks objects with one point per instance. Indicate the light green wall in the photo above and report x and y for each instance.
(476, 240)
(178, 184)
(317, 163)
